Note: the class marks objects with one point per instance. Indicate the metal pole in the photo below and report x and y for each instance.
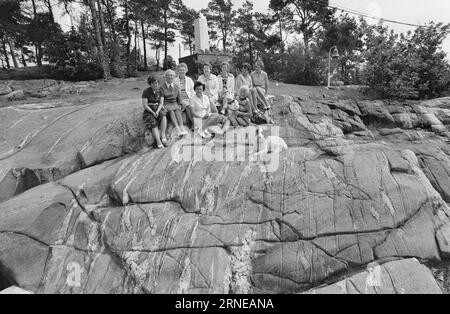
(329, 66)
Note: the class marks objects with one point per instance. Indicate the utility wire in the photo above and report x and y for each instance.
(359, 13)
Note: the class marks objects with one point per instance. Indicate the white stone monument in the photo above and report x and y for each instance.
(201, 33)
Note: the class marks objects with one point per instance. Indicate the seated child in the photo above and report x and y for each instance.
(242, 116)
(228, 102)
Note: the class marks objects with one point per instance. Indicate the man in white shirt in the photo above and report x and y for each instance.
(203, 117)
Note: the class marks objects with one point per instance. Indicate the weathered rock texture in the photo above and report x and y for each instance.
(399, 277)
(40, 144)
(344, 195)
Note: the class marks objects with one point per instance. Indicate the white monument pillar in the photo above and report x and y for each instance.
(201, 33)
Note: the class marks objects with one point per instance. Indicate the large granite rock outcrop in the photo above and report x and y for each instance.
(341, 197)
(40, 144)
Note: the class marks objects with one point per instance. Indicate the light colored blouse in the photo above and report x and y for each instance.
(230, 83)
(212, 86)
(242, 80)
(260, 80)
(187, 91)
(200, 106)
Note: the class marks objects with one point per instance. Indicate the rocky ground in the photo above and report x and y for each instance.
(362, 181)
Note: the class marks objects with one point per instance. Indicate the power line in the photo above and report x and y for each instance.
(359, 13)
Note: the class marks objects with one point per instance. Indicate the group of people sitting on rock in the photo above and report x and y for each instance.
(223, 100)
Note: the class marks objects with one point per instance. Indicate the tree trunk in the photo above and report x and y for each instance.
(38, 48)
(66, 8)
(127, 28)
(5, 53)
(250, 49)
(166, 41)
(24, 63)
(157, 57)
(48, 3)
(101, 52)
(224, 41)
(306, 42)
(144, 46)
(281, 41)
(115, 52)
(11, 49)
(102, 22)
(136, 52)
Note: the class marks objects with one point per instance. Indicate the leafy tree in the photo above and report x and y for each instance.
(245, 22)
(42, 30)
(345, 33)
(114, 44)
(12, 27)
(98, 36)
(308, 16)
(304, 68)
(162, 15)
(220, 15)
(407, 66)
(253, 33)
(282, 16)
(73, 54)
(185, 24)
(433, 67)
(157, 43)
(166, 22)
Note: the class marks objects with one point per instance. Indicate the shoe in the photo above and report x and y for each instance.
(164, 141)
(205, 134)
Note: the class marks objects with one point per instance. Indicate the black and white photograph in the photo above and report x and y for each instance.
(224, 153)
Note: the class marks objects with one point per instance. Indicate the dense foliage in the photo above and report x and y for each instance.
(407, 66)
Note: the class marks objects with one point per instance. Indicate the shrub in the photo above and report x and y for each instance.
(407, 66)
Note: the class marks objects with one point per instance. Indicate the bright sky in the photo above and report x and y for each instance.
(408, 11)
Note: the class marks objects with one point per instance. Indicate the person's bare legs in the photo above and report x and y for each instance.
(226, 126)
(224, 106)
(190, 116)
(253, 104)
(213, 106)
(254, 98)
(262, 97)
(173, 118)
(156, 135)
(163, 126)
(179, 119)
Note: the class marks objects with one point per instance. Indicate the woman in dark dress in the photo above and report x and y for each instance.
(154, 113)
